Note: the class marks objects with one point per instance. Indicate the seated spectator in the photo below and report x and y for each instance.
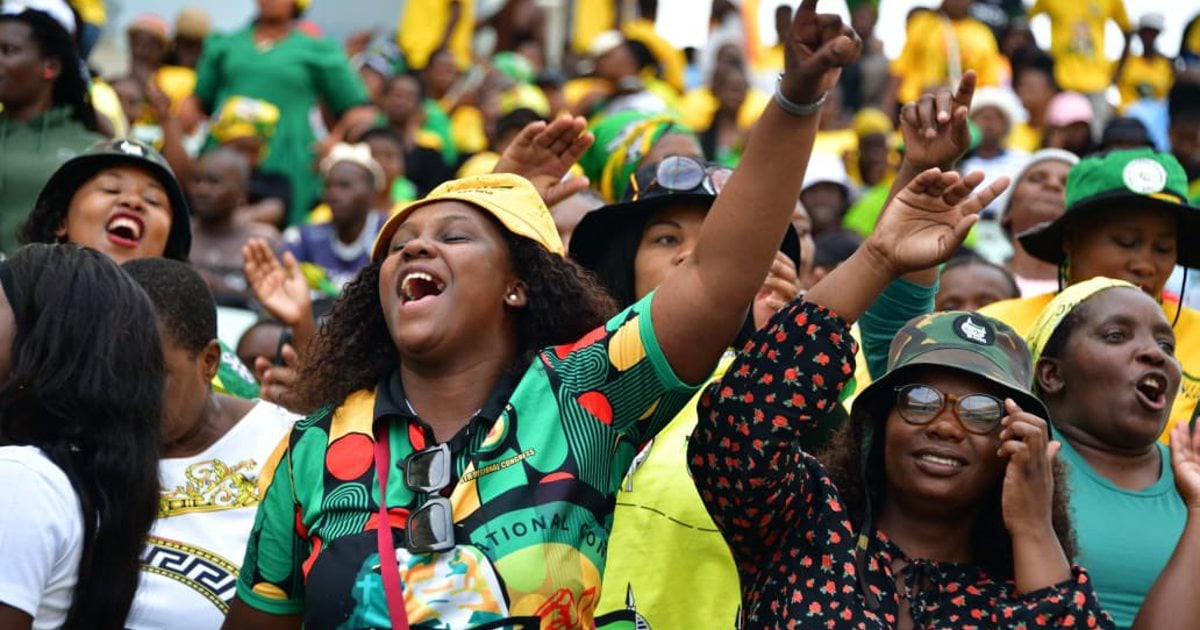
(995, 111)
(214, 449)
(1127, 218)
(342, 246)
(968, 283)
(247, 125)
(401, 106)
(832, 249)
(265, 338)
(219, 232)
(1107, 371)
(1149, 75)
(947, 450)
(1184, 131)
(1036, 196)
(826, 193)
(1125, 133)
(1033, 81)
(1069, 119)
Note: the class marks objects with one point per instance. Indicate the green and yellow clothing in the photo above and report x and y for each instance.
(30, 152)
(1077, 40)
(698, 106)
(591, 18)
(233, 377)
(669, 58)
(293, 74)
(665, 550)
(1020, 313)
(437, 125)
(422, 28)
(537, 469)
(927, 59)
(107, 104)
(1155, 74)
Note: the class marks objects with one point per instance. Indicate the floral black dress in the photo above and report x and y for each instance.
(782, 516)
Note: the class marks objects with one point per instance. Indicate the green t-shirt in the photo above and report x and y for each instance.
(293, 74)
(1123, 537)
(538, 469)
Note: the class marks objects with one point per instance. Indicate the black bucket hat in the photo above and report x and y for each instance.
(74, 172)
(1144, 178)
(675, 180)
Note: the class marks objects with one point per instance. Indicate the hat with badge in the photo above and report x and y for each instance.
(1135, 179)
(962, 341)
(72, 174)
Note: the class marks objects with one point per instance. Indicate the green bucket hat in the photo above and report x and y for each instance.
(963, 341)
(1134, 178)
(622, 141)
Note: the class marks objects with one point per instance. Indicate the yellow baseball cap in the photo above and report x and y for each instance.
(511, 199)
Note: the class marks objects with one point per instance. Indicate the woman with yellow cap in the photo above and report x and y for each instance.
(272, 60)
(1107, 371)
(476, 404)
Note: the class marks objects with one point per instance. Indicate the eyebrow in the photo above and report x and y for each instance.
(668, 222)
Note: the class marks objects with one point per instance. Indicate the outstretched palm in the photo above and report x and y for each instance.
(935, 128)
(280, 287)
(930, 217)
(543, 153)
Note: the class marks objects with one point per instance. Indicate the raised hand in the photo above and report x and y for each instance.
(277, 382)
(280, 287)
(1185, 463)
(927, 220)
(1028, 491)
(817, 47)
(934, 127)
(543, 153)
(781, 287)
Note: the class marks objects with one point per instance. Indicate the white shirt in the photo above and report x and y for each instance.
(191, 561)
(41, 536)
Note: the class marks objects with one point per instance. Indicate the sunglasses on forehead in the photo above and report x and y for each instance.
(683, 174)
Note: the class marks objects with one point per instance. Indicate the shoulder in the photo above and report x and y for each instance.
(29, 474)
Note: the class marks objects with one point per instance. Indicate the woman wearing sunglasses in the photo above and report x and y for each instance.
(937, 506)
(476, 406)
(1107, 370)
(664, 548)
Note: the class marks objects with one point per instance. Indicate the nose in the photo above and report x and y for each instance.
(945, 426)
(1151, 353)
(416, 247)
(1142, 264)
(682, 255)
(131, 198)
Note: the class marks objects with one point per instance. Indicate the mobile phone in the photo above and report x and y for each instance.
(285, 338)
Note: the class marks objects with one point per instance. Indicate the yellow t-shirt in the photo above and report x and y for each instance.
(670, 58)
(1025, 138)
(698, 107)
(108, 104)
(1157, 74)
(423, 25)
(1077, 40)
(592, 17)
(1020, 313)
(664, 546)
(925, 60)
(91, 11)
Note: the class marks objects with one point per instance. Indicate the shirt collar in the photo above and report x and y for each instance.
(390, 399)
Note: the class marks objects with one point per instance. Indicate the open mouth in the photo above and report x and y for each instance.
(125, 229)
(1152, 390)
(419, 285)
(939, 463)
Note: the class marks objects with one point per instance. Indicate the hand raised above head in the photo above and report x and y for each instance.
(817, 47)
(929, 219)
(543, 153)
(934, 127)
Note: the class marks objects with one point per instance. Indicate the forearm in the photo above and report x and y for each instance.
(851, 288)
(1039, 561)
(1174, 599)
(173, 150)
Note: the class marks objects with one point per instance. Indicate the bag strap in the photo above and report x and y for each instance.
(388, 569)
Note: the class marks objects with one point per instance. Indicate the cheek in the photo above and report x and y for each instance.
(650, 266)
(158, 228)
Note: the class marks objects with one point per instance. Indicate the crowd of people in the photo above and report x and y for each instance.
(492, 323)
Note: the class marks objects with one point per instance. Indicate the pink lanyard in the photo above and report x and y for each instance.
(388, 569)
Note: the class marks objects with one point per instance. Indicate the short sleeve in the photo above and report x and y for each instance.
(272, 578)
(40, 527)
(338, 85)
(208, 70)
(617, 374)
(1119, 15)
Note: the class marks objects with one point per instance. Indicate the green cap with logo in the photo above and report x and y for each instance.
(1134, 179)
(963, 341)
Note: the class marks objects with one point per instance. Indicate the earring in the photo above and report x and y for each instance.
(47, 73)
(512, 297)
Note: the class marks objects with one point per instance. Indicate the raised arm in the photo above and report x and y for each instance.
(1174, 600)
(702, 303)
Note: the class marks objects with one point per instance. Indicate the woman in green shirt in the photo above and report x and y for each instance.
(272, 60)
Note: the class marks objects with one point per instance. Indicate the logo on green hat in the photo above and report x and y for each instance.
(1144, 176)
(975, 332)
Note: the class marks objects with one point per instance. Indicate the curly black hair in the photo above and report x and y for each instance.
(353, 349)
(991, 543)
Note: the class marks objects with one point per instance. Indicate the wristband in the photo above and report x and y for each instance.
(796, 109)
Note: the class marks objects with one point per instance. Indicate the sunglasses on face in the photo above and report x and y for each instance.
(431, 526)
(977, 413)
(682, 174)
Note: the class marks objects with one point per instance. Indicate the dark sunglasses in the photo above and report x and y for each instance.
(682, 174)
(977, 413)
(431, 526)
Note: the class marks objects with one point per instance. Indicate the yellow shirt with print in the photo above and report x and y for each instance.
(1156, 74)
(423, 25)
(1077, 40)
(925, 62)
(1020, 313)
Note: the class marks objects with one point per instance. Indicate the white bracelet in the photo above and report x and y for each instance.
(796, 109)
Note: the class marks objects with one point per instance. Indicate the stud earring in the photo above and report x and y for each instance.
(47, 73)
